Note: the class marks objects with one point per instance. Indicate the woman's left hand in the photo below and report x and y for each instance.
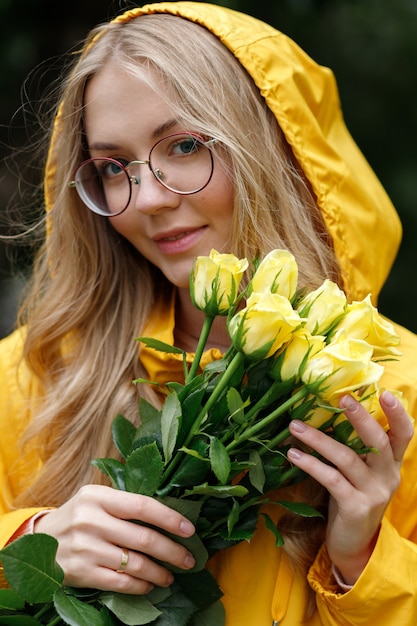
(360, 487)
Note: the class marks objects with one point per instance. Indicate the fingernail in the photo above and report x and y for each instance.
(189, 561)
(187, 527)
(348, 403)
(294, 454)
(389, 399)
(298, 426)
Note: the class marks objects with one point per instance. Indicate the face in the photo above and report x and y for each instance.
(124, 118)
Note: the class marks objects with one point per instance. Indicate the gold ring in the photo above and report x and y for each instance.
(124, 561)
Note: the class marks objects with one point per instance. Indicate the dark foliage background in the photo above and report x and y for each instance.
(370, 45)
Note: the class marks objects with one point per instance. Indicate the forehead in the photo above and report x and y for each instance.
(117, 101)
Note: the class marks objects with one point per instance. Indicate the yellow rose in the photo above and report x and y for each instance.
(341, 367)
(319, 416)
(362, 321)
(277, 273)
(215, 282)
(322, 307)
(264, 325)
(293, 357)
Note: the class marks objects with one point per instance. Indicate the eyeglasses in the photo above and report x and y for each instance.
(182, 163)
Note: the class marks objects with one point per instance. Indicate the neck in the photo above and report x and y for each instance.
(188, 324)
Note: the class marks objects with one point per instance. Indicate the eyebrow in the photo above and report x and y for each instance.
(158, 132)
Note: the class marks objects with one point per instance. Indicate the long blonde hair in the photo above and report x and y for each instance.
(92, 292)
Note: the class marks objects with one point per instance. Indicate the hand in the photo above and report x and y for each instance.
(360, 487)
(93, 527)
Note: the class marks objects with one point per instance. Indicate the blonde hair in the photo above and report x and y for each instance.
(92, 291)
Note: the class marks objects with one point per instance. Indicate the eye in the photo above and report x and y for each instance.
(184, 146)
(112, 168)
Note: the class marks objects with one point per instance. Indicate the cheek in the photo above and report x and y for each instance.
(221, 196)
(122, 224)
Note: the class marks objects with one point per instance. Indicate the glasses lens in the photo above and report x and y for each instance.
(182, 163)
(103, 185)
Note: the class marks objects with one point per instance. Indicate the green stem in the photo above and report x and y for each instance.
(263, 402)
(273, 443)
(44, 609)
(259, 426)
(215, 394)
(205, 331)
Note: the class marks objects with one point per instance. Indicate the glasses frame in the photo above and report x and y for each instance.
(134, 180)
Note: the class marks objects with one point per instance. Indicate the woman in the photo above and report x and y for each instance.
(275, 168)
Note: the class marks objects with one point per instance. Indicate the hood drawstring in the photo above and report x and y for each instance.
(282, 592)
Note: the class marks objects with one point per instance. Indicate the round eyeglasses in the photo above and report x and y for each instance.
(182, 162)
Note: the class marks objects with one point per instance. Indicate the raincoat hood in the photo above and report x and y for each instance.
(303, 96)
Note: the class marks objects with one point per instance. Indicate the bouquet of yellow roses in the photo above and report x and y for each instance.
(216, 451)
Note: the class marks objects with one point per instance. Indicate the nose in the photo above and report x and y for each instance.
(148, 194)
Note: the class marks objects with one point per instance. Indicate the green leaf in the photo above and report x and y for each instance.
(129, 609)
(343, 431)
(144, 469)
(201, 588)
(170, 423)
(219, 459)
(213, 615)
(114, 469)
(244, 527)
(191, 405)
(18, 620)
(274, 530)
(196, 546)
(256, 472)
(220, 491)
(189, 508)
(107, 617)
(274, 465)
(123, 433)
(10, 600)
(236, 405)
(30, 568)
(194, 468)
(160, 345)
(150, 425)
(233, 517)
(74, 611)
(304, 510)
(176, 609)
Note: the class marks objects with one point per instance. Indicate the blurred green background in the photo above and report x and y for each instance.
(371, 45)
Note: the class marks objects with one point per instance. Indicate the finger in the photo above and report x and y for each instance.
(369, 430)
(339, 456)
(139, 566)
(401, 428)
(130, 506)
(105, 564)
(152, 543)
(346, 470)
(328, 476)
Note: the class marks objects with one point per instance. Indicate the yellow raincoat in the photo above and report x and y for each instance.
(259, 586)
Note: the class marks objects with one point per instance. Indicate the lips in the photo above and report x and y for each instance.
(174, 235)
(178, 240)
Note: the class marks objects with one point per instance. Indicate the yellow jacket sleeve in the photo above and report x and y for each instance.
(16, 395)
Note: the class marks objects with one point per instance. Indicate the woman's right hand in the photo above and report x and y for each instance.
(93, 528)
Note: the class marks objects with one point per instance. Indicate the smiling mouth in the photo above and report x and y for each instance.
(181, 235)
(174, 237)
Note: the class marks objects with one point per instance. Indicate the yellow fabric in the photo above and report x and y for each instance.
(257, 581)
